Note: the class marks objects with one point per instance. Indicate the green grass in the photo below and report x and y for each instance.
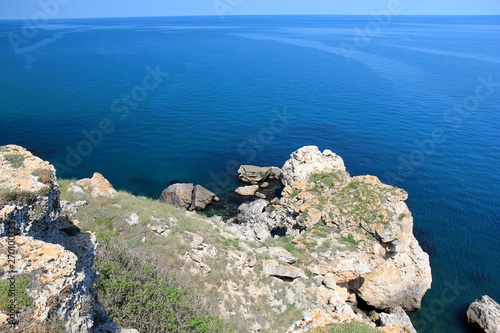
(23, 300)
(19, 197)
(136, 295)
(15, 160)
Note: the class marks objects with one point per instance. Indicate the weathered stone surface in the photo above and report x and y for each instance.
(201, 198)
(274, 268)
(252, 174)
(281, 255)
(399, 281)
(189, 196)
(308, 160)
(399, 317)
(97, 185)
(178, 195)
(133, 219)
(29, 193)
(247, 190)
(484, 314)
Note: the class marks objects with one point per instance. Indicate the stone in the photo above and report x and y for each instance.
(260, 195)
(188, 196)
(100, 186)
(274, 268)
(252, 174)
(133, 219)
(201, 198)
(247, 190)
(484, 314)
(75, 190)
(29, 193)
(282, 255)
(308, 160)
(178, 195)
(159, 229)
(330, 283)
(397, 316)
(264, 185)
(399, 281)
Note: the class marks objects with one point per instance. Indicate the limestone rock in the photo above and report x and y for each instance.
(189, 196)
(281, 255)
(308, 160)
(98, 186)
(247, 190)
(201, 198)
(399, 281)
(484, 313)
(254, 175)
(178, 195)
(29, 193)
(133, 219)
(399, 317)
(274, 268)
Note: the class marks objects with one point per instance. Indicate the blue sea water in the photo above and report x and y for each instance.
(415, 101)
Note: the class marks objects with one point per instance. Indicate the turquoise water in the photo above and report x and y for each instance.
(250, 90)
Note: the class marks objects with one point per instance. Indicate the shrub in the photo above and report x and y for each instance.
(44, 176)
(136, 295)
(23, 300)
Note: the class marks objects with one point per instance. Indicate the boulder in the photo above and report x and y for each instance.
(281, 255)
(133, 219)
(97, 185)
(274, 268)
(178, 195)
(201, 198)
(189, 196)
(308, 160)
(29, 193)
(252, 174)
(247, 190)
(398, 317)
(399, 281)
(484, 314)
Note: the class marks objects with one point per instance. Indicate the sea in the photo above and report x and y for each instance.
(414, 100)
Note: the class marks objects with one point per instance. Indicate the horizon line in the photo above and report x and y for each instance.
(243, 15)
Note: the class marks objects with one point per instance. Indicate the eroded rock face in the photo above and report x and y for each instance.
(29, 193)
(52, 252)
(308, 160)
(484, 314)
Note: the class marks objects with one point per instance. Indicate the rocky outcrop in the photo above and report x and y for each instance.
(252, 174)
(97, 185)
(484, 314)
(308, 160)
(29, 193)
(397, 316)
(188, 196)
(274, 268)
(52, 253)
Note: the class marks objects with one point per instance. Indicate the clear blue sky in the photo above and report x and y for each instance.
(17, 9)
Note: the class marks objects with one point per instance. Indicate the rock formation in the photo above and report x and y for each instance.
(252, 174)
(484, 314)
(51, 252)
(98, 185)
(188, 196)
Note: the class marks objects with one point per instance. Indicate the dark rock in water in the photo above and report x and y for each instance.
(484, 314)
(174, 181)
(254, 174)
(178, 195)
(187, 196)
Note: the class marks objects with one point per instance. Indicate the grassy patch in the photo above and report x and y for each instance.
(44, 176)
(15, 160)
(23, 300)
(136, 295)
(18, 197)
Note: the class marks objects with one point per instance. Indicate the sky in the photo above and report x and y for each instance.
(19, 9)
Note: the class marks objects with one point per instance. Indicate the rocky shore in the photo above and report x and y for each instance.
(328, 244)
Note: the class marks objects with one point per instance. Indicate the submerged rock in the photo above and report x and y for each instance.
(247, 190)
